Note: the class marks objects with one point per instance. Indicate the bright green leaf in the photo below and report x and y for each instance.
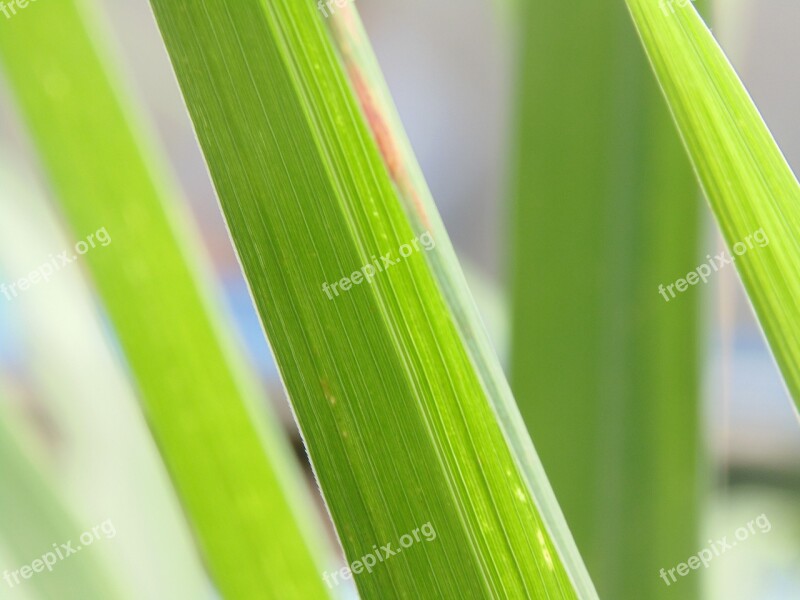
(394, 413)
(751, 189)
(376, 102)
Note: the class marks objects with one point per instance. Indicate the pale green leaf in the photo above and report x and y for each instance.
(34, 522)
(231, 471)
(94, 424)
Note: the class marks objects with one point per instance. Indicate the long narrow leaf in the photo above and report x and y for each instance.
(232, 474)
(748, 183)
(376, 102)
(397, 423)
(95, 422)
(34, 521)
(605, 209)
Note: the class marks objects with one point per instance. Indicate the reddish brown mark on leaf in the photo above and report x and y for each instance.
(346, 34)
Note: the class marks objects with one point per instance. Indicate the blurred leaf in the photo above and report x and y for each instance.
(394, 414)
(93, 424)
(33, 519)
(605, 209)
(232, 472)
(744, 175)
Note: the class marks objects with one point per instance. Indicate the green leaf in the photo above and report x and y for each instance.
(744, 175)
(34, 518)
(605, 208)
(232, 471)
(394, 413)
(376, 102)
(94, 423)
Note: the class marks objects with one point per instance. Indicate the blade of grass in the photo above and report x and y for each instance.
(605, 208)
(232, 471)
(744, 176)
(393, 412)
(32, 519)
(95, 422)
(381, 114)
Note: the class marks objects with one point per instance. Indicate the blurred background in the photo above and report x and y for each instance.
(451, 69)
